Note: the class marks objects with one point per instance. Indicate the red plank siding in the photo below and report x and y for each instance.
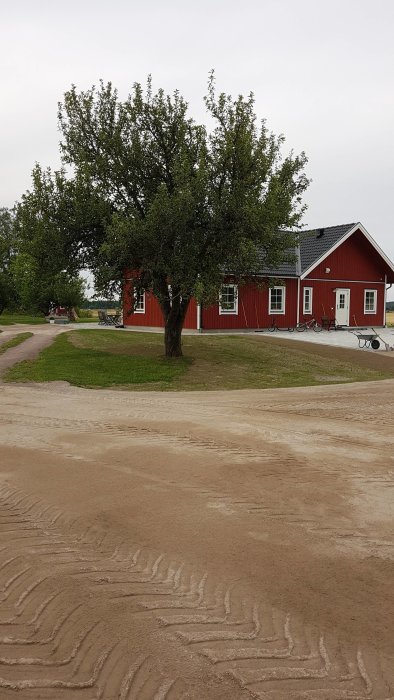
(324, 300)
(153, 315)
(354, 259)
(354, 265)
(252, 310)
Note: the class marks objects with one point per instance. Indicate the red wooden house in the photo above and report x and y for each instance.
(339, 272)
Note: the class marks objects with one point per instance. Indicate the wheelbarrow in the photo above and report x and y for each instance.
(370, 340)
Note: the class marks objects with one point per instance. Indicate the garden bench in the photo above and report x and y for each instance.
(108, 319)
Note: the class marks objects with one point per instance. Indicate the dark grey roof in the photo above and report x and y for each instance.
(285, 269)
(313, 245)
(316, 243)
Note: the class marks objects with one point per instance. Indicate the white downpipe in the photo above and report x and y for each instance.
(298, 270)
(199, 317)
(385, 300)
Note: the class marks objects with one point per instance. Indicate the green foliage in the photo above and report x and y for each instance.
(39, 290)
(8, 252)
(99, 304)
(9, 319)
(58, 223)
(68, 291)
(154, 193)
(186, 205)
(34, 288)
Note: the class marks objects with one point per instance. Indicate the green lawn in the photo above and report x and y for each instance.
(103, 358)
(11, 319)
(17, 340)
(85, 365)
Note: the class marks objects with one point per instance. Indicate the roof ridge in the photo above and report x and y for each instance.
(327, 228)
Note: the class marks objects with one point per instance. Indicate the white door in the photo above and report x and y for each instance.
(342, 307)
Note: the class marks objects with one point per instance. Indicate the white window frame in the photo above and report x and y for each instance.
(140, 310)
(375, 300)
(304, 309)
(229, 312)
(274, 312)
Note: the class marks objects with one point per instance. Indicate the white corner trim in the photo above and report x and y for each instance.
(356, 227)
(198, 324)
(385, 301)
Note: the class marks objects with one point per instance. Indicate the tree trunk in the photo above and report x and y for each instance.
(43, 308)
(174, 312)
(173, 336)
(174, 307)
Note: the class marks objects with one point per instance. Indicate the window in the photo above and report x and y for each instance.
(370, 301)
(308, 292)
(228, 300)
(276, 303)
(139, 301)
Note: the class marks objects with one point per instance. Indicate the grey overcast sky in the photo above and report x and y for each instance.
(322, 73)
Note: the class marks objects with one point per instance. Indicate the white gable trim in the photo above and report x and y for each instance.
(357, 227)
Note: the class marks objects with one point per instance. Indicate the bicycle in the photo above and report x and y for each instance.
(305, 325)
(274, 327)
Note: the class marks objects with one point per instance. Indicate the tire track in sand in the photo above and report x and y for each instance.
(53, 645)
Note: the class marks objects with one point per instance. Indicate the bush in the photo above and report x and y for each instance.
(11, 311)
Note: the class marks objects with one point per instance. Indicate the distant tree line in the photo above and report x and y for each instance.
(99, 304)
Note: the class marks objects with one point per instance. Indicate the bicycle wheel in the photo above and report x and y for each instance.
(300, 327)
(317, 327)
(273, 326)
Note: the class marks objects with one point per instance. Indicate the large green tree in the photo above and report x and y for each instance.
(40, 292)
(58, 221)
(8, 252)
(187, 204)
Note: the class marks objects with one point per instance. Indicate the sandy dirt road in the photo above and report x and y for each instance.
(42, 337)
(210, 546)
